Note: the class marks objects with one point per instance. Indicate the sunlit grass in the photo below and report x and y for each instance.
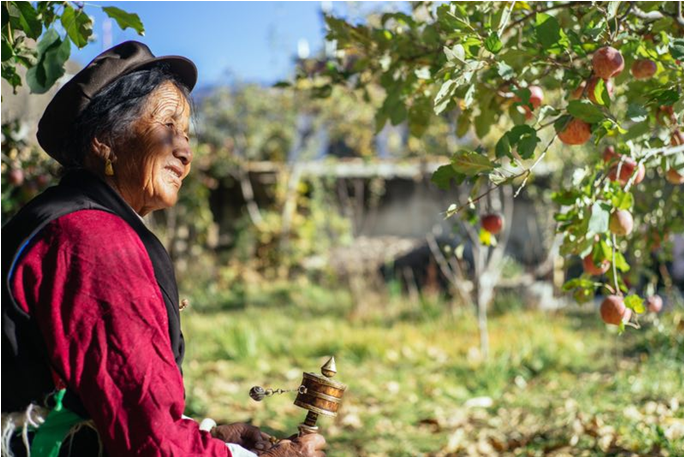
(417, 383)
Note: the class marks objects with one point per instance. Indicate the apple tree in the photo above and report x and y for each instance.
(597, 83)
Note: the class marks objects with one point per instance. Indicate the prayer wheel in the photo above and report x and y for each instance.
(319, 394)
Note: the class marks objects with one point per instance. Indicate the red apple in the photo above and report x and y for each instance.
(536, 96)
(644, 68)
(493, 223)
(609, 154)
(674, 177)
(677, 138)
(528, 112)
(614, 311)
(591, 268)
(654, 303)
(576, 132)
(16, 177)
(621, 222)
(536, 99)
(627, 170)
(577, 93)
(607, 62)
(43, 180)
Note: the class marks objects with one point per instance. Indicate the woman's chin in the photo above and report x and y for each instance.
(168, 196)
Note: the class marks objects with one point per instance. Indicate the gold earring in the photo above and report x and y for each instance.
(109, 169)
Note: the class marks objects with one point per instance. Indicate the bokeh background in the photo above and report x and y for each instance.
(304, 233)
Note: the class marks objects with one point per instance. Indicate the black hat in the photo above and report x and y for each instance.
(72, 99)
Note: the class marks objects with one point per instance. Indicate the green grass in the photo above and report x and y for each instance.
(555, 382)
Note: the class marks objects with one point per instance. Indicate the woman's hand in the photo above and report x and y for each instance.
(247, 436)
(311, 445)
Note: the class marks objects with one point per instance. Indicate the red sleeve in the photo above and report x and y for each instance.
(88, 281)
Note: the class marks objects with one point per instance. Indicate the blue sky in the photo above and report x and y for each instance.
(228, 41)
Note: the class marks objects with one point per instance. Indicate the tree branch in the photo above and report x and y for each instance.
(655, 15)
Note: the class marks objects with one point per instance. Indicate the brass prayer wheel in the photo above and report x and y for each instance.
(319, 394)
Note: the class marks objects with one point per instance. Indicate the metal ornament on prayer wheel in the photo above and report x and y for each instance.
(319, 394)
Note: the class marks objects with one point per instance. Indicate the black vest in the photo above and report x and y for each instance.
(27, 372)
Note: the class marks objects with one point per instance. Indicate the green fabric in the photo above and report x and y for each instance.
(50, 435)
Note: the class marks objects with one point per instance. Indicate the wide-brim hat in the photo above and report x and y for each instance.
(55, 127)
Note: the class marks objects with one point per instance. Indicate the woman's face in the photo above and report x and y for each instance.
(149, 170)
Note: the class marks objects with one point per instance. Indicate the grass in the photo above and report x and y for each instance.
(555, 384)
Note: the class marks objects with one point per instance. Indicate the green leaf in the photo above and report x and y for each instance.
(455, 53)
(623, 200)
(471, 45)
(677, 48)
(578, 283)
(444, 95)
(77, 25)
(52, 55)
(28, 19)
(443, 175)
(527, 145)
(665, 24)
(463, 123)
(547, 111)
(7, 52)
(493, 43)
(469, 96)
(398, 114)
(600, 215)
(505, 70)
(419, 116)
(503, 147)
(638, 130)
(636, 112)
(520, 131)
(586, 111)
(486, 118)
(549, 33)
(486, 238)
(635, 303)
(603, 252)
(664, 96)
(601, 94)
(9, 74)
(125, 20)
(562, 122)
(565, 197)
(471, 163)
(583, 295)
(5, 14)
(620, 262)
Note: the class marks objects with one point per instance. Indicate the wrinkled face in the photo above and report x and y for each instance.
(149, 170)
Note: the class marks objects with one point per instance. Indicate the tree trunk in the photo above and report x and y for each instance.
(482, 324)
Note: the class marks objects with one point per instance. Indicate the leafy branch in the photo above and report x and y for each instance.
(23, 21)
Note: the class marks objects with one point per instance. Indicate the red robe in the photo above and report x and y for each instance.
(89, 283)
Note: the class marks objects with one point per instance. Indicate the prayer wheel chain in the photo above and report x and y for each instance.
(258, 393)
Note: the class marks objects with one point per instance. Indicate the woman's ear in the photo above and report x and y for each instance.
(102, 150)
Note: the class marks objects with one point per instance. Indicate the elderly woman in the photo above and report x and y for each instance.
(90, 317)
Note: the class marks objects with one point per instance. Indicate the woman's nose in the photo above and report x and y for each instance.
(183, 153)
